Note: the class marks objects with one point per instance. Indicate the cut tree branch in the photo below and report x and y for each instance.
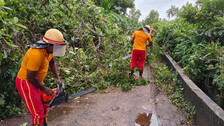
(82, 21)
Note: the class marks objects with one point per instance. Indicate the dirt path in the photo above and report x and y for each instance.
(113, 108)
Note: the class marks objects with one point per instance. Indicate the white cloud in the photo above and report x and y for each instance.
(145, 6)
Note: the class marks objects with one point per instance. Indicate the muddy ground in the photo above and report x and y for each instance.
(113, 108)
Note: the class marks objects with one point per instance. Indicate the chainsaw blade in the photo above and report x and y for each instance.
(81, 93)
(62, 97)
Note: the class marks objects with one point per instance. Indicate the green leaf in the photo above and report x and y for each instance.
(6, 7)
(22, 26)
(5, 54)
(3, 34)
(105, 4)
(2, 3)
(10, 44)
(220, 32)
(183, 29)
(111, 3)
(2, 101)
(15, 19)
(67, 71)
(221, 19)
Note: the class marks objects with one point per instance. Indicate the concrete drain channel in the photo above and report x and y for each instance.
(208, 113)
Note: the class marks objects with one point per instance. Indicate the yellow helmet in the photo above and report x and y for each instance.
(54, 36)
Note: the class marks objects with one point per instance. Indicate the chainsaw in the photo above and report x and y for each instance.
(59, 96)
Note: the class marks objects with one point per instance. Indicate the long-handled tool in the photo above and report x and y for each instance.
(126, 57)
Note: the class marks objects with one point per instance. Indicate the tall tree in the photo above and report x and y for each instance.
(123, 5)
(107, 4)
(153, 17)
(189, 12)
(133, 17)
(173, 11)
(119, 6)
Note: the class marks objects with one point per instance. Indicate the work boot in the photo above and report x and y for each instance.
(140, 74)
(140, 77)
(131, 74)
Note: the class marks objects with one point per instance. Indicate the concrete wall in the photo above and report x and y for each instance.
(208, 113)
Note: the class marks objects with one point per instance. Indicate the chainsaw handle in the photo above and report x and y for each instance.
(58, 88)
(61, 85)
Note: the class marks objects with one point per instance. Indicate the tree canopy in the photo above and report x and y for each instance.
(119, 6)
(152, 17)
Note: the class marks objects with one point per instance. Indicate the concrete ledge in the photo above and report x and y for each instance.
(208, 113)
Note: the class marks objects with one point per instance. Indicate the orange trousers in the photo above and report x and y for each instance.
(32, 99)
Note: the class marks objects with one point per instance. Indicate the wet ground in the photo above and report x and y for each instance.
(141, 106)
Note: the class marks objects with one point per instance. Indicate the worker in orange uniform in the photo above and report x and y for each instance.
(34, 67)
(139, 41)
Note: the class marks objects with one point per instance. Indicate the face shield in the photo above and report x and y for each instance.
(146, 31)
(59, 50)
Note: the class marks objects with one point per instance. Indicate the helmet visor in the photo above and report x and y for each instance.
(59, 50)
(146, 31)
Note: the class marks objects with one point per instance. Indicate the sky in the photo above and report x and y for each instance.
(160, 5)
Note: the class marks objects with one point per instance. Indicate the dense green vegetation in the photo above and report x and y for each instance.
(97, 42)
(195, 40)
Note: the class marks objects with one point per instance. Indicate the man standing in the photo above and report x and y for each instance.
(139, 41)
(34, 67)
